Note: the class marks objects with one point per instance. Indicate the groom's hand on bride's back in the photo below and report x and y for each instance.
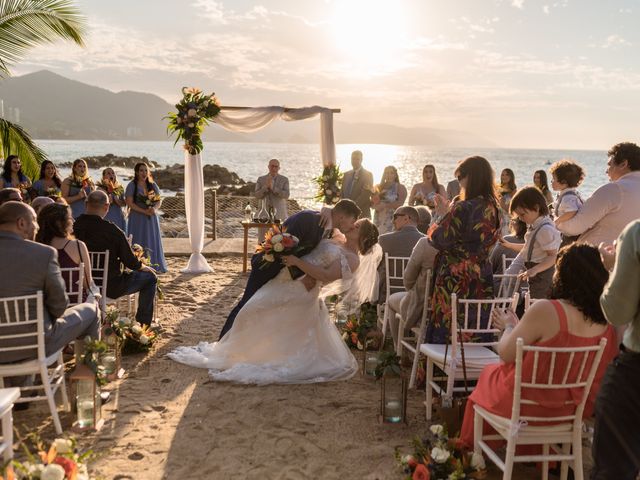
(308, 282)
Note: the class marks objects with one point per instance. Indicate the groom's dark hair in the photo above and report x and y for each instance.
(348, 207)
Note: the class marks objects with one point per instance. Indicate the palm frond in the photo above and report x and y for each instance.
(25, 24)
(15, 141)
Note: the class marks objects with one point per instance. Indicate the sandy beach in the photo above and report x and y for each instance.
(169, 421)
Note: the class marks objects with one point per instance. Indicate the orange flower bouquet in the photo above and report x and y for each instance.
(277, 243)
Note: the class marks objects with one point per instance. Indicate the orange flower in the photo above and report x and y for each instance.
(354, 338)
(421, 473)
(70, 467)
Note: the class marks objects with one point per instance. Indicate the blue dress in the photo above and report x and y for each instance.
(42, 191)
(146, 229)
(77, 207)
(116, 212)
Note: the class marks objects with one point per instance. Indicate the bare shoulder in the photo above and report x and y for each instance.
(543, 318)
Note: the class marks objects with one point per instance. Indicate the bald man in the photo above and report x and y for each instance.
(34, 267)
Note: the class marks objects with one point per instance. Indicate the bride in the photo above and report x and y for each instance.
(283, 333)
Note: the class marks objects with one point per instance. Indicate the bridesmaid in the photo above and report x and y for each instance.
(49, 183)
(389, 195)
(12, 177)
(423, 193)
(143, 199)
(507, 189)
(77, 186)
(115, 191)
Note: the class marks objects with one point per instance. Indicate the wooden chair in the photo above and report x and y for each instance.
(477, 354)
(563, 434)
(528, 301)
(22, 327)
(7, 398)
(99, 273)
(74, 289)
(394, 271)
(412, 342)
(509, 284)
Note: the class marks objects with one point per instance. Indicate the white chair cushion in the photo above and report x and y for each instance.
(476, 357)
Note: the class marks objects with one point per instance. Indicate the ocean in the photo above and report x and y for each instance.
(301, 162)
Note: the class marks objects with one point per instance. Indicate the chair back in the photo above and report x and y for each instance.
(528, 301)
(22, 326)
(74, 283)
(100, 272)
(554, 368)
(394, 270)
(506, 262)
(472, 322)
(509, 284)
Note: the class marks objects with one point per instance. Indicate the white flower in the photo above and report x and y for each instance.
(143, 339)
(63, 445)
(35, 470)
(405, 459)
(440, 455)
(136, 329)
(335, 200)
(278, 247)
(276, 238)
(477, 461)
(269, 257)
(191, 125)
(192, 112)
(328, 191)
(436, 429)
(52, 471)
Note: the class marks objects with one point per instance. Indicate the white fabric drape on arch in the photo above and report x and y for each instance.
(243, 120)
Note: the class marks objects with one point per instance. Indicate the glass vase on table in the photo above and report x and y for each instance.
(263, 214)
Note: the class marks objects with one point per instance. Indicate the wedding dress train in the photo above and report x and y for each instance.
(282, 335)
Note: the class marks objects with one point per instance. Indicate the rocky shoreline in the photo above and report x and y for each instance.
(221, 179)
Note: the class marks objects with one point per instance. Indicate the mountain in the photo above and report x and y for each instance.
(50, 106)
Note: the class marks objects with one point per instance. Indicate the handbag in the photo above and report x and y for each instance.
(452, 414)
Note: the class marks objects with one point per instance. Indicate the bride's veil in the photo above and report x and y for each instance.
(361, 286)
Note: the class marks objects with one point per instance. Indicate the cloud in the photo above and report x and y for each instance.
(546, 9)
(517, 3)
(613, 41)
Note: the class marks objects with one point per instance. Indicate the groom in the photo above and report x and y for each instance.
(306, 226)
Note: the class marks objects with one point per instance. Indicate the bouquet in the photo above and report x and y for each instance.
(151, 199)
(277, 243)
(61, 461)
(112, 188)
(138, 338)
(195, 110)
(24, 189)
(329, 185)
(53, 192)
(81, 183)
(358, 325)
(436, 457)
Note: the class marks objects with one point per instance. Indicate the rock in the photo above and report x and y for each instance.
(172, 177)
(111, 160)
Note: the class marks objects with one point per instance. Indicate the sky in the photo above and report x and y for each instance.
(520, 73)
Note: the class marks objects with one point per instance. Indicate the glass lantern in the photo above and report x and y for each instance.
(86, 393)
(111, 360)
(393, 398)
(372, 344)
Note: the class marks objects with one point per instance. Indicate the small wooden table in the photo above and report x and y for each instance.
(245, 245)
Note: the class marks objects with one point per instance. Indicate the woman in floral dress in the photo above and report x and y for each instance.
(464, 236)
(143, 198)
(77, 186)
(389, 195)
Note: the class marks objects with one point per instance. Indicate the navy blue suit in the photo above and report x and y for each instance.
(305, 226)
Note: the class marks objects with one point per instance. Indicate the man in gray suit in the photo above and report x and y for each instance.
(30, 267)
(357, 185)
(274, 188)
(400, 242)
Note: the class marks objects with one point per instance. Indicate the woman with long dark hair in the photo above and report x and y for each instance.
(49, 184)
(77, 186)
(143, 199)
(115, 191)
(424, 192)
(464, 236)
(540, 181)
(12, 176)
(506, 190)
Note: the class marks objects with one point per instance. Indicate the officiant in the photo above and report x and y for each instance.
(274, 189)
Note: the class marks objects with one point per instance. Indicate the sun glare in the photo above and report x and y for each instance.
(370, 33)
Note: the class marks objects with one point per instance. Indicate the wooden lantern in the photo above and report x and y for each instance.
(88, 402)
(393, 398)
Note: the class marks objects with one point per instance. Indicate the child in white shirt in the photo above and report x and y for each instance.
(566, 176)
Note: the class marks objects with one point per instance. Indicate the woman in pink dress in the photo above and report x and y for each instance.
(573, 318)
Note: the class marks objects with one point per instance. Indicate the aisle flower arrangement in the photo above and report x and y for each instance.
(194, 111)
(137, 338)
(93, 349)
(357, 326)
(437, 457)
(61, 461)
(329, 184)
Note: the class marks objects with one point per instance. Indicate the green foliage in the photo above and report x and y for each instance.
(388, 364)
(93, 348)
(14, 140)
(329, 184)
(194, 111)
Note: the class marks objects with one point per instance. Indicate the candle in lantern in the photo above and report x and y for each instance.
(85, 407)
(393, 411)
(108, 361)
(370, 363)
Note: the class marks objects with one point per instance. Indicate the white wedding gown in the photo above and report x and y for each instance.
(282, 335)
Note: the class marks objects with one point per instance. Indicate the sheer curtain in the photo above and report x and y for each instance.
(242, 120)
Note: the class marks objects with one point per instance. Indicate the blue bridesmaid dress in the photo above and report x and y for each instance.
(146, 229)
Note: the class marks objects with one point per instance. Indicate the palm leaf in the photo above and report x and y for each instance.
(25, 24)
(15, 141)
